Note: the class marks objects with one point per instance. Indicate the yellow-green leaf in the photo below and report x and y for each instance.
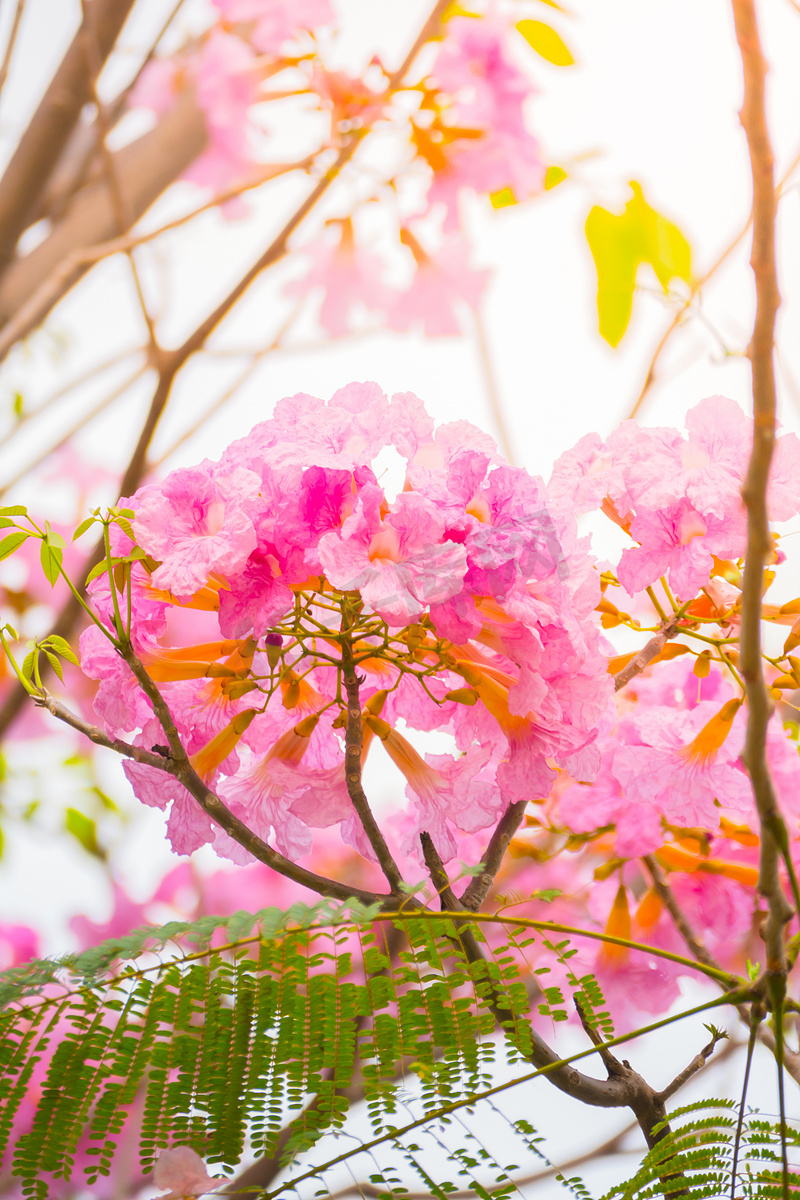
(554, 176)
(546, 42)
(503, 198)
(83, 829)
(619, 242)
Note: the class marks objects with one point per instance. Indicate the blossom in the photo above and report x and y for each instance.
(349, 277)
(194, 523)
(275, 21)
(441, 282)
(183, 1171)
(399, 564)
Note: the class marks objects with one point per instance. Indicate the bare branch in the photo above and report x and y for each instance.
(476, 890)
(754, 491)
(55, 118)
(645, 656)
(441, 884)
(354, 740)
(10, 44)
(697, 1064)
(62, 713)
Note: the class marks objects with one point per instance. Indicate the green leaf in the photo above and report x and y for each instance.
(62, 647)
(83, 829)
(554, 176)
(81, 530)
(503, 198)
(27, 664)
(14, 510)
(619, 242)
(55, 664)
(546, 42)
(12, 542)
(50, 558)
(98, 569)
(126, 527)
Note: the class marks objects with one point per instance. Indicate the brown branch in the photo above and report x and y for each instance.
(60, 711)
(646, 1104)
(696, 287)
(697, 1064)
(354, 741)
(448, 899)
(754, 491)
(51, 125)
(476, 890)
(145, 168)
(645, 656)
(12, 40)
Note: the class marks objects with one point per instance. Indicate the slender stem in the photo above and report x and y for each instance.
(354, 742)
(754, 492)
(476, 890)
(646, 655)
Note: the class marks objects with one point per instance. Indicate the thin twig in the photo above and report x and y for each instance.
(490, 381)
(476, 890)
(754, 491)
(645, 656)
(12, 38)
(696, 286)
(697, 1064)
(354, 740)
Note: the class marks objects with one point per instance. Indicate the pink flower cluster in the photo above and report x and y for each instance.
(679, 497)
(465, 572)
(460, 128)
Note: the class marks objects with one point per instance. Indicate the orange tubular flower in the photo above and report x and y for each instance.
(206, 761)
(703, 749)
(618, 925)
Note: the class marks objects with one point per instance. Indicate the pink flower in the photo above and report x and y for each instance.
(349, 277)
(183, 1170)
(441, 283)
(399, 564)
(18, 943)
(275, 21)
(194, 523)
(226, 86)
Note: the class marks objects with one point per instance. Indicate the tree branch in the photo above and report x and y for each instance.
(354, 740)
(645, 656)
(52, 123)
(754, 491)
(476, 890)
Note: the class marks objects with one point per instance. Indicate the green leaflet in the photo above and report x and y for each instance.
(241, 1021)
(694, 1159)
(240, 1034)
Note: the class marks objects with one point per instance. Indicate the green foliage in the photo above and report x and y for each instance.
(694, 1158)
(248, 1034)
(219, 1044)
(619, 243)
